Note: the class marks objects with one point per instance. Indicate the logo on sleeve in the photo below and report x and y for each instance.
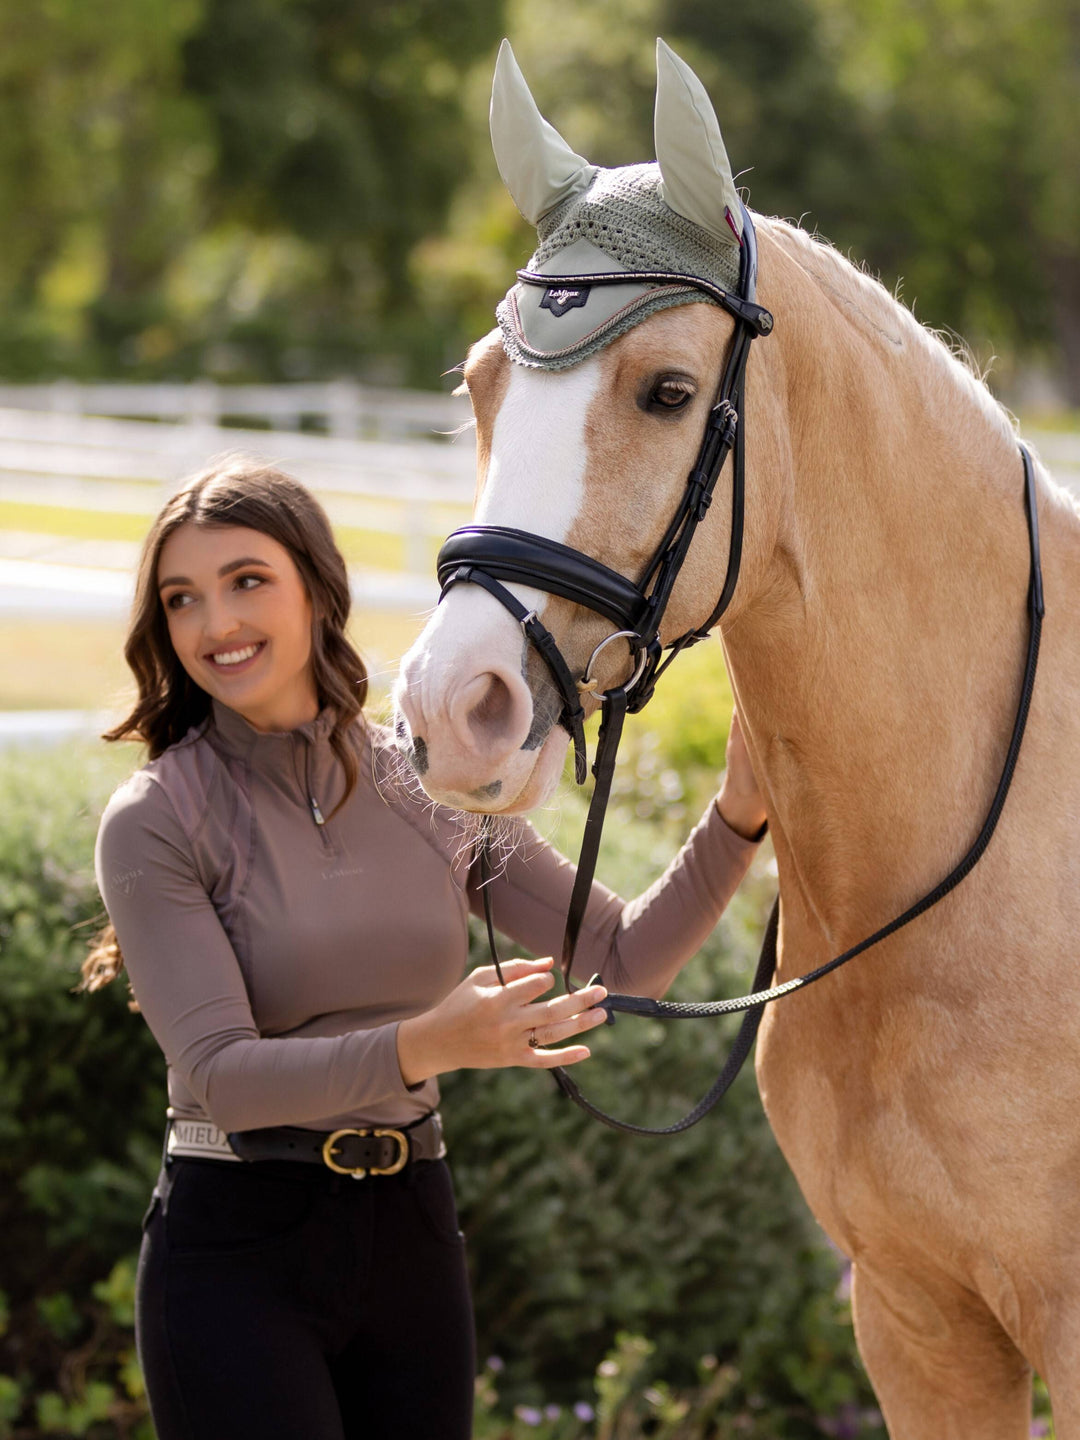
(559, 301)
(125, 881)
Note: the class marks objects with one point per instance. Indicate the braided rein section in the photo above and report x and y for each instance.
(737, 1056)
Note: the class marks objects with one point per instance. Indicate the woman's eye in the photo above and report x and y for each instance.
(248, 582)
(178, 600)
(671, 394)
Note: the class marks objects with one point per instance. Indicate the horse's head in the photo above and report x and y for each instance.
(591, 400)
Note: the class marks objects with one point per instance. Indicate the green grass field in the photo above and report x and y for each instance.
(359, 544)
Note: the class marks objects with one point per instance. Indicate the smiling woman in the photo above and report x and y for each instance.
(293, 917)
(240, 624)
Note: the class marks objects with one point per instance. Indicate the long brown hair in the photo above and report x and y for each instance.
(236, 490)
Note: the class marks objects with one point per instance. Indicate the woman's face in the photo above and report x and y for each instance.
(240, 622)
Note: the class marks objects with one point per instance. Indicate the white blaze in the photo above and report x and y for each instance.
(536, 468)
(461, 687)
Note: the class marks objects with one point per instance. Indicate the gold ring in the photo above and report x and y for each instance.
(533, 1041)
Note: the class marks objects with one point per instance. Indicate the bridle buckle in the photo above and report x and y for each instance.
(358, 1172)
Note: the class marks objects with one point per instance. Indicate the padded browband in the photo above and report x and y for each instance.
(543, 564)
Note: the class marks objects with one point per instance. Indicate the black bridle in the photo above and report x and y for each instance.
(487, 555)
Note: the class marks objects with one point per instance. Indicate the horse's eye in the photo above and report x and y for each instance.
(670, 394)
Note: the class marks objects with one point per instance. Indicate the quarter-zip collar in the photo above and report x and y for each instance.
(267, 749)
(298, 762)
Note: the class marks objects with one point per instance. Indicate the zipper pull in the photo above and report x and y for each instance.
(316, 813)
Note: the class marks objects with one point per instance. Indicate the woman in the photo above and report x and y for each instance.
(294, 925)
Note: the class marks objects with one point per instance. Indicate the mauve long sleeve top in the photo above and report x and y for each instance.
(273, 955)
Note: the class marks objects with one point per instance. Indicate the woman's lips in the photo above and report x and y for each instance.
(237, 660)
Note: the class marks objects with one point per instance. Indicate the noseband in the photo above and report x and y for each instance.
(488, 555)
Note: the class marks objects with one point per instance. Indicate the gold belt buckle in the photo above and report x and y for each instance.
(329, 1150)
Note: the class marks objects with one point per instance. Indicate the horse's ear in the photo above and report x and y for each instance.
(696, 173)
(538, 166)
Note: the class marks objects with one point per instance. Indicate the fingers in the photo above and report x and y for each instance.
(546, 1035)
(569, 1055)
(558, 1020)
(566, 1005)
(516, 969)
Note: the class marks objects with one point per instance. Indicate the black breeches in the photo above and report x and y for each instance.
(281, 1302)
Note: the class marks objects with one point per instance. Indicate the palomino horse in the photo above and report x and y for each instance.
(926, 1096)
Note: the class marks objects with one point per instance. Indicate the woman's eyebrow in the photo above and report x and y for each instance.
(225, 570)
(239, 565)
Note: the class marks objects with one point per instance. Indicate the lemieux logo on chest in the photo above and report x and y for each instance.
(561, 299)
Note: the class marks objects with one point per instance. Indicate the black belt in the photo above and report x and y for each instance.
(374, 1150)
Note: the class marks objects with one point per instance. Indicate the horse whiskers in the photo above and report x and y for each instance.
(391, 772)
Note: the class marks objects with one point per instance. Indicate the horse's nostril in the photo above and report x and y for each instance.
(419, 755)
(492, 711)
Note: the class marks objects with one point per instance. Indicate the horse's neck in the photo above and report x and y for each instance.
(878, 657)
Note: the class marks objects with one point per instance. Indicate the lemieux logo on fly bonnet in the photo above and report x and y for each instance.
(680, 216)
(559, 301)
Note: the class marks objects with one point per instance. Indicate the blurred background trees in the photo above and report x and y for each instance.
(293, 188)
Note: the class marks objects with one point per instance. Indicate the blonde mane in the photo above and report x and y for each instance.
(866, 302)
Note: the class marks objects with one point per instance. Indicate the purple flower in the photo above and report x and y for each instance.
(1039, 1427)
(528, 1414)
(552, 1412)
(584, 1411)
(846, 1424)
(495, 1364)
(850, 1422)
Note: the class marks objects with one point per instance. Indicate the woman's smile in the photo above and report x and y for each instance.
(237, 659)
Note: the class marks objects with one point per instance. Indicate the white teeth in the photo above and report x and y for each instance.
(234, 657)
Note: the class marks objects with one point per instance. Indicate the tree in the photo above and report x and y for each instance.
(972, 109)
(180, 177)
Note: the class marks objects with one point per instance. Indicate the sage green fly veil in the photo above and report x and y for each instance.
(678, 216)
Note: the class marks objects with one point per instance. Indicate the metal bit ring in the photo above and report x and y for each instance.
(587, 683)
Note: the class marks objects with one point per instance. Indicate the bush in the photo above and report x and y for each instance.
(699, 1243)
(81, 1101)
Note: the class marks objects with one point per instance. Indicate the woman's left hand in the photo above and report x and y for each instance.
(740, 800)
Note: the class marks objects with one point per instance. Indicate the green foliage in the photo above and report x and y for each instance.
(261, 188)
(630, 1403)
(11, 1403)
(971, 112)
(81, 1099)
(224, 185)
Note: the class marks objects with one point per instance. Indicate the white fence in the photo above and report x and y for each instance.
(414, 489)
(343, 409)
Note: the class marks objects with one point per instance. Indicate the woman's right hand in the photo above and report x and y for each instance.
(482, 1025)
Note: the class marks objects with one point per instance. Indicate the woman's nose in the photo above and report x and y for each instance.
(219, 620)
